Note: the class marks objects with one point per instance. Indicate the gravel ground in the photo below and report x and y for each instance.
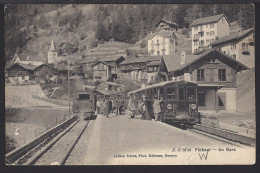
(57, 152)
(78, 153)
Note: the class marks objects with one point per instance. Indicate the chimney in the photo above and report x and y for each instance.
(183, 57)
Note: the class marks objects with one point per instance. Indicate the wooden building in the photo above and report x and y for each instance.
(215, 73)
(135, 68)
(101, 71)
(22, 73)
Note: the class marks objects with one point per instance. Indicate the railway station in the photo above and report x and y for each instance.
(152, 90)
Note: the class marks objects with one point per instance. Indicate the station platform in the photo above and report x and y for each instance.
(115, 139)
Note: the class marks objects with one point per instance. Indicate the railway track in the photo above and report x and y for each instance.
(31, 152)
(60, 151)
(225, 136)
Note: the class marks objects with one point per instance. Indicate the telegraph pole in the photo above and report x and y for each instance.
(69, 84)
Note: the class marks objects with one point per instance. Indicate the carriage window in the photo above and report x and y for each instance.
(181, 93)
(171, 93)
(84, 96)
(161, 93)
(191, 93)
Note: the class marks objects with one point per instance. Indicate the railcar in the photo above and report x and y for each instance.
(84, 105)
(179, 100)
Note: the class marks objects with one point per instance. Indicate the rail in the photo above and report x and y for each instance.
(226, 134)
(16, 154)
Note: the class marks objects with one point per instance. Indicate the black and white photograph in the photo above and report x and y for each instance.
(129, 84)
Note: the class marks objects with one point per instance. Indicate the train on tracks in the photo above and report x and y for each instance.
(84, 105)
(179, 100)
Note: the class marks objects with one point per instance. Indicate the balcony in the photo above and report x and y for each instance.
(245, 50)
(196, 37)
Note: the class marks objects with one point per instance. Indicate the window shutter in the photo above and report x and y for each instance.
(228, 74)
(215, 75)
(207, 77)
(194, 75)
(233, 75)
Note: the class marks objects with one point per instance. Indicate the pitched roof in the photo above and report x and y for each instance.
(172, 62)
(88, 60)
(25, 66)
(164, 34)
(204, 20)
(154, 63)
(143, 59)
(235, 36)
(168, 22)
(173, 65)
(113, 84)
(111, 58)
(24, 57)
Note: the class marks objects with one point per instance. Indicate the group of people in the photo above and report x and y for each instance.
(141, 107)
(108, 105)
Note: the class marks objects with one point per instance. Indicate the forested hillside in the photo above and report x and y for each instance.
(30, 28)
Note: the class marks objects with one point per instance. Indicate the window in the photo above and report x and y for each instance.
(206, 25)
(202, 43)
(211, 25)
(207, 40)
(181, 93)
(201, 98)
(191, 93)
(171, 93)
(195, 43)
(212, 32)
(220, 102)
(234, 56)
(207, 33)
(23, 77)
(195, 28)
(200, 75)
(233, 46)
(222, 74)
(84, 97)
(202, 34)
(224, 52)
(158, 52)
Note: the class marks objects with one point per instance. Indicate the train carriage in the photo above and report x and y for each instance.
(179, 100)
(84, 105)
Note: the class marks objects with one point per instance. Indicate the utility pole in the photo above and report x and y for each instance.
(69, 84)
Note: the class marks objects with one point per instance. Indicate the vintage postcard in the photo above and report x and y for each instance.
(130, 84)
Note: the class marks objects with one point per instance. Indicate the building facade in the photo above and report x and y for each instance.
(239, 45)
(215, 74)
(162, 43)
(208, 29)
(101, 71)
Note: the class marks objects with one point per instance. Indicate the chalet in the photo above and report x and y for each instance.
(166, 26)
(22, 73)
(87, 65)
(101, 71)
(215, 73)
(152, 69)
(135, 68)
(26, 59)
(238, 45)
(208, 29)
(113, 61)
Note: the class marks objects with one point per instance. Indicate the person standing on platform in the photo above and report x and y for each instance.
(131, 107)
(106, 107)
(145, 114)
(156, 108)
(98, 106)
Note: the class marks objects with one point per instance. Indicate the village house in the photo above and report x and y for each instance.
(22, 73)
(101, 71)
(239, 45)
(135, 68)
(215, 73)
(87, 66)
(208, 29)
(26, 59)
(166, 26)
